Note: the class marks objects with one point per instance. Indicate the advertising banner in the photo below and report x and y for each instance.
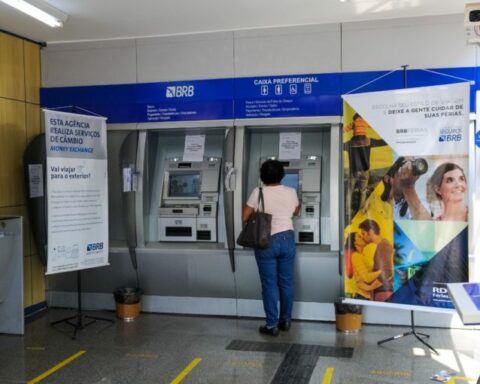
(77, 189)
(406, 197)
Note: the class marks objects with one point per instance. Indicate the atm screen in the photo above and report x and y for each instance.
(184, 184)
(291, 180)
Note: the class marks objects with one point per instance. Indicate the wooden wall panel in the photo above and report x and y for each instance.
(33, 121)
(32, 72)
(12, 144)
(12, 69)
(20, 122)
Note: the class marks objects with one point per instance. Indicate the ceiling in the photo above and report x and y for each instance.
(114, 19)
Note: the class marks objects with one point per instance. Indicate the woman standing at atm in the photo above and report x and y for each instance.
(275, 263)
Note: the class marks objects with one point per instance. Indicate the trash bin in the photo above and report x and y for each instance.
(127, 302)
(348, 317)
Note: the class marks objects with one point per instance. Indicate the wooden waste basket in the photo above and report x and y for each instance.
(348, 317)
(127, 301)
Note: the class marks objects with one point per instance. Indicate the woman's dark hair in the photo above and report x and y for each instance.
(271, 172)
(350, 242)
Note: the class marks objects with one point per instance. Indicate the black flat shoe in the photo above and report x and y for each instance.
(284, 325)
(269, 331)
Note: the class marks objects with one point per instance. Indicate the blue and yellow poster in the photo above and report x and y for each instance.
(406, 194)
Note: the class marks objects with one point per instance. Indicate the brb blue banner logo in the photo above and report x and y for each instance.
(180, 91)
(149, 102)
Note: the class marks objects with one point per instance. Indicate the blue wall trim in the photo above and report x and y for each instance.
(249, 97)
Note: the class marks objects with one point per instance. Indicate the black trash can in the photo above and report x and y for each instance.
(127, 302)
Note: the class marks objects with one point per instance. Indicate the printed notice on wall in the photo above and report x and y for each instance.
(289, 145)
(194, 148)
(127, 179)
(35, 180)
(77, 191)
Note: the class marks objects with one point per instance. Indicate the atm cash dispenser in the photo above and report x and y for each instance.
(304, 175)
(189, 201)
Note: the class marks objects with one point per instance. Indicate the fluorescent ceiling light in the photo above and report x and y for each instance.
(40, 11)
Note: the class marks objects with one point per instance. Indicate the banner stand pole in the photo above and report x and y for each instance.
(79, 316)
(412, 318)
(411, 332)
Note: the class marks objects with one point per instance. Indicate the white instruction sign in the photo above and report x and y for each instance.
(194, 148)
(35, 180)
(290, 145)
(127, 179)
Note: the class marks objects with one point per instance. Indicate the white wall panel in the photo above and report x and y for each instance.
(92, 63)
(185, 57)
(288, 50)
(425, 42)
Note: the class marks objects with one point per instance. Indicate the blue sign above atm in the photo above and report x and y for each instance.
(288, 96)
(240, 98)
(149, 102)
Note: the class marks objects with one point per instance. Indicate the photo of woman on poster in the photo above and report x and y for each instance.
(447, 193)
(360, 263)
(445, 190)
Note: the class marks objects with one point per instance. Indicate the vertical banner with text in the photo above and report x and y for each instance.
(406, 198)
(77, 189)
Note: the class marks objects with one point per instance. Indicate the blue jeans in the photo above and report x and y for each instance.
(275, 265)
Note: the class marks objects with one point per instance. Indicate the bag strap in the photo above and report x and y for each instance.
(260, 200)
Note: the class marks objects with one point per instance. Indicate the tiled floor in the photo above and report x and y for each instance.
(159, 348)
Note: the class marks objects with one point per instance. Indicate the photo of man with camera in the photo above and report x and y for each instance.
(399, 187)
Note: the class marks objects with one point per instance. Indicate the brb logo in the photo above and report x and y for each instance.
(180, 91)
(94, 247)
(450, 134)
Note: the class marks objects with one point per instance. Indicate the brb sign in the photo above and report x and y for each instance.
(177, 91)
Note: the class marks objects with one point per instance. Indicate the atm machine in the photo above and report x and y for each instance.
(189, 202)
(304, 175)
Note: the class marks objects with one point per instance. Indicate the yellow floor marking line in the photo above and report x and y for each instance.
(327, 378)
(454, 379)
(186, 371)
(56, 368)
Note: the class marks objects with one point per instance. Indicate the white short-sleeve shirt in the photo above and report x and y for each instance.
(280, 202)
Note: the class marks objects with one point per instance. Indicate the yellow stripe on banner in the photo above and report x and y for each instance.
(327, 378)
(56, 368)
(186, 371)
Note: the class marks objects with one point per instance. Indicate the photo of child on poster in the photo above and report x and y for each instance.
(366, 155)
